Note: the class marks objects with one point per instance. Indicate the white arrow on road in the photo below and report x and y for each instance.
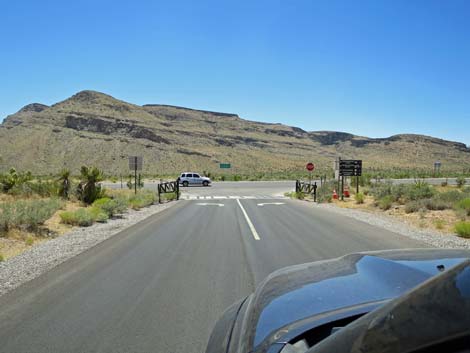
(210, 204)
(271, 203)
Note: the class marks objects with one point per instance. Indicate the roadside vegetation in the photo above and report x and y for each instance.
(445, 208)
(33, 208)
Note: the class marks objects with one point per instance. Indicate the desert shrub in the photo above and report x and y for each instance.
(464, 205)
(27, 214)
(413, 206)
(435, 204)
(439, 223)
(81, 217)
(168, 196)
(98, 214)
(460, 180)
(29, 240)
(463, 229)
(106, 204)
(418, 191)
(325, 192)
(141, 199)
(380, 190)
(359, 197)
(386, 202)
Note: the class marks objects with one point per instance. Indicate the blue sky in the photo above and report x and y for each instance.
(373, 68)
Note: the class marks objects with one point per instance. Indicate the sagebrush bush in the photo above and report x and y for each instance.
(413, 206)
(98, 214)
(463, 229)
(386, 202)
(27, 214)
(460, 181)
(403, 192)
(81, 217)
(111, 206)
(142, 199)
(359, 197)
(464, 205)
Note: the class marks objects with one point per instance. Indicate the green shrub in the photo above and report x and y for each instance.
(81, 217)
(359, 197)
(2, 258)
(418, 191)
(413, 206)
(434, 204)
(168, 196)
(386, 202)
(464, 205)
(29, 240)
(460, 181)
(110, 206)
(439, 223)
(27, 214)
(141, 199)
(98, 214)
(463, 229)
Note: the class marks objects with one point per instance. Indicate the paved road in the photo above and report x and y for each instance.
(160, 285)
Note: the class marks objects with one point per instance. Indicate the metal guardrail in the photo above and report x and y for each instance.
(168, 187)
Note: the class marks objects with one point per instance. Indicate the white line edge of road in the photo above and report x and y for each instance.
(248, 220)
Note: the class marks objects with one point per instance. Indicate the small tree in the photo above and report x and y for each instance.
(64, 186)
(89, 190)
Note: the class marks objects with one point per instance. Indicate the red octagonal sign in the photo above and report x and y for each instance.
(310, 166)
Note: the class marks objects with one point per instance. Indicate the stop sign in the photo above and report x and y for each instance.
(310, 166)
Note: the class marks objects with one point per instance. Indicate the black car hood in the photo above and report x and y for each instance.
(434, 317)
(296, 293)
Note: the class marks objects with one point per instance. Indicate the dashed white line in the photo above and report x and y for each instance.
(248, 220)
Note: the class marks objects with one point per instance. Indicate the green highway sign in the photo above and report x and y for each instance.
(225, 165)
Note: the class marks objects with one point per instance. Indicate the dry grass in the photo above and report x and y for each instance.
(442, 221)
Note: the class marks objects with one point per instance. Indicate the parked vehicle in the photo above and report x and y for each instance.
(191, 178)
(399, 301)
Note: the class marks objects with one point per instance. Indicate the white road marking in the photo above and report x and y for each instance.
(248, 220)
(210, 204)
(271, 203)
(250, 197)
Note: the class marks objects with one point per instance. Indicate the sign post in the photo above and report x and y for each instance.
(350, 167)
(437, 167)
(135, 164)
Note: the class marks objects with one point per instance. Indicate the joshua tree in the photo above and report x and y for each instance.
(64, 186)
(89, 190)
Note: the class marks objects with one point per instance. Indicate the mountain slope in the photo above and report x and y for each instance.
(96, 129)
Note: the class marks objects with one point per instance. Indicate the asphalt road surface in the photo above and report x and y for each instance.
(160, 285)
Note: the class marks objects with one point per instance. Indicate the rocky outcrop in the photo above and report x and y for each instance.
(111, 127)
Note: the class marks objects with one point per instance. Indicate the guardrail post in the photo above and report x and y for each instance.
(177, 190)
(159, 192)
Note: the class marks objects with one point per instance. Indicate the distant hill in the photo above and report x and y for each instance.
(96, 129)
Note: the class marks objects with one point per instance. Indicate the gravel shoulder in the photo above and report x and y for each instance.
(43, 257)
(431, 237)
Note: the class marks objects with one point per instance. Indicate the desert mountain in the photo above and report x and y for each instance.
(93, 128)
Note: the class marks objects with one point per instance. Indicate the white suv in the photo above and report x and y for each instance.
(190, 178)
